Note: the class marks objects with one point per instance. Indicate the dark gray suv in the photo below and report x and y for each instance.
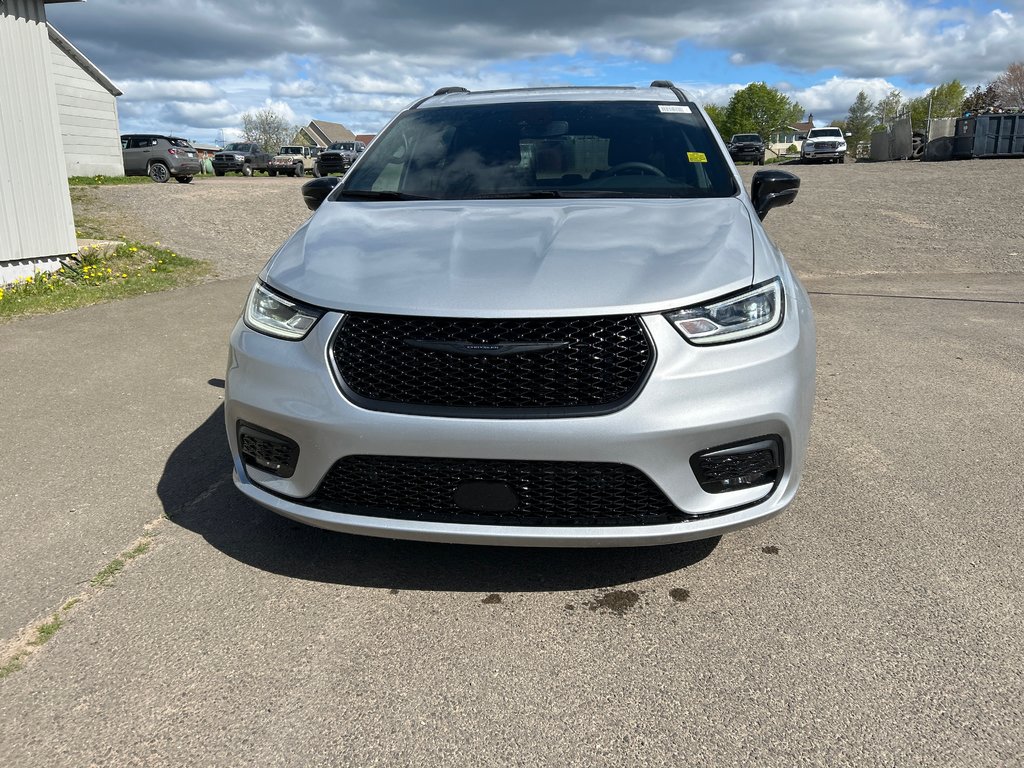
(159, 157)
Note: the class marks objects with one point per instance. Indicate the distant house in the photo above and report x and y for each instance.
(87, 106)
(366, 138)
(791, 135)
(321, 133)
(37, 227)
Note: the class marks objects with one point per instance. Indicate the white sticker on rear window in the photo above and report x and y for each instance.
(675, 108)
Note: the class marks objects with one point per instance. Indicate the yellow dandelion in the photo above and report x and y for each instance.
(133, 249)
(124, 274)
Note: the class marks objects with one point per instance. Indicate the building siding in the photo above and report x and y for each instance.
(36, 223)
(88, 120)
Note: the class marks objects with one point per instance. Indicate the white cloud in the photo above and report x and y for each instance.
(164, 90)
(359, 61)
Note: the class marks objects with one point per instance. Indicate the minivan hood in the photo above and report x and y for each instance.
(516, 258)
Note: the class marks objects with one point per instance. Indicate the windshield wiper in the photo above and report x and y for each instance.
(369, 194)
(529, 194)
(524, 194)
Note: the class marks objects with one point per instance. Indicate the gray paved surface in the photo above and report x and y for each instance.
(877, 622)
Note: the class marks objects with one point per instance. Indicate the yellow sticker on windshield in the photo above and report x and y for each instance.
(696, 157)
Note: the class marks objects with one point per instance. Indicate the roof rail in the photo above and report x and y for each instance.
(672, 87)
(450, 89)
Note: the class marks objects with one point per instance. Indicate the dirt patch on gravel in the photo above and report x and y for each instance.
(851, 219)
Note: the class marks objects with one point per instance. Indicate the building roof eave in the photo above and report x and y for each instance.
(81, 59)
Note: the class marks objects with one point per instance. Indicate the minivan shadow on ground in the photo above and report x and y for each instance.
(197, 493)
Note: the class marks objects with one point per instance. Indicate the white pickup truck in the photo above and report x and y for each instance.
(292, 160)
(824, 145)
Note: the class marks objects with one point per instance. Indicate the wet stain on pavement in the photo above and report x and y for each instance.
(491, 600)
(392, 591)
(618, 602)
(679, 594)
(570, 607)
(770, 550)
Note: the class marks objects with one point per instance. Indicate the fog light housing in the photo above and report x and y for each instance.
(267, 450)
(733, 467)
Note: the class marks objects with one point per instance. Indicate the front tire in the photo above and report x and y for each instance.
(271, 173)
(158, 172)
(217, 173)
(183, 179)
(247, 170)
(316, 171)
(842, 159)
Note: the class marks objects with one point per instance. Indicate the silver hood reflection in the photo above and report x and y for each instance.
(516, 258)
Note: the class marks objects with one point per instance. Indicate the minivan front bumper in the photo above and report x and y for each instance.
(696, 398)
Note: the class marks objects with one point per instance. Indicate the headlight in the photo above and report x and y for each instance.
(753, 312)
(274, 315)
(239, 158)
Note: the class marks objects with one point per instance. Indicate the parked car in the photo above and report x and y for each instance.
(159, 157)
(338, 157)
(244, 157)
(824, 145)
(747, 147)
(529, 317)
(294, 160)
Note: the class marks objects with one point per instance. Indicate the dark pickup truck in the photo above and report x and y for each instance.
(338, 157)
(244, 157)
(747, 146)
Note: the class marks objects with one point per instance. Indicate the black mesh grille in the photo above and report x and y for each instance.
(601, 364)
(267, 450)
(739, 465)
(547, 493)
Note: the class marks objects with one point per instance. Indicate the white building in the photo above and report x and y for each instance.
(87, 104)
(48, 91)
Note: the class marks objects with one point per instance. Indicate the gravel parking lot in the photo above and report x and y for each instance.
(851, 219)
(877, 622)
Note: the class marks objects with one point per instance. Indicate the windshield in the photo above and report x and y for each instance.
(346, 145)
(822, 133)
(238, 146)
(746, 137)
(290, 151)
(544, 149)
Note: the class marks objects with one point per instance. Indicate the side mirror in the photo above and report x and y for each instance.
(847, 134)
(772, 189)
(316, 191)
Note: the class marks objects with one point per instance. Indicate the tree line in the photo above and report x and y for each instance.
(763, 110)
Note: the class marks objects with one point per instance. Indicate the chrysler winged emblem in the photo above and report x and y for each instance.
(489, 350)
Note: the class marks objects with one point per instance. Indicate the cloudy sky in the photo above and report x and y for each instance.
(192, 67)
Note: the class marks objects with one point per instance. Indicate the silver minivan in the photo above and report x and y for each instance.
(544, 317)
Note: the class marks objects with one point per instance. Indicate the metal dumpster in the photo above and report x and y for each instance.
(989, 136)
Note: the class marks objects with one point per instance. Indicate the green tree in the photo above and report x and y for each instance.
(267, 128)
(889, 108)
(946, 100)
(717, 114)
(860, 120)
(762, 110)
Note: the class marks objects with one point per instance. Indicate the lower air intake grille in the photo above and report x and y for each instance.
(535, 493)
